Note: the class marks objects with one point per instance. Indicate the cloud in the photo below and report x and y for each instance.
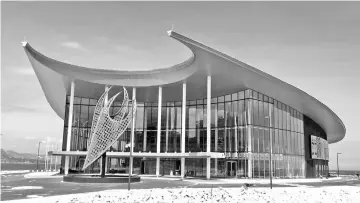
(73, 45)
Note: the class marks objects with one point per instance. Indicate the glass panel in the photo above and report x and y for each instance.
(255, 112)
(221, 118)
(85, 101)
(248, 94)
(234, 96)
(213, 115)
(228, 114)
(261, 140)
(221, 99)
(241, 95)
(228, 97)
(199, 116)
(261, 114)
(221, 140)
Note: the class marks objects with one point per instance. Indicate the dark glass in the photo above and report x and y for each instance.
(221, 140)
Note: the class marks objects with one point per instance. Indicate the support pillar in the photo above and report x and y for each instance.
(208, 126)
(167, 130)
(131, 160)
(216, 138)
(70, 115)
(183, 114)
(104, 164)
(249, 131)
(158, 132)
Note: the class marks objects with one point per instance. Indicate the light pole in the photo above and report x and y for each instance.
(37, 165)
(269, 117)
(337, 161)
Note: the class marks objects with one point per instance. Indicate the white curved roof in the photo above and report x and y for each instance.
(228, 76)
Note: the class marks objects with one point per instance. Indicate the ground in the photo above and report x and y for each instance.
(18, 187)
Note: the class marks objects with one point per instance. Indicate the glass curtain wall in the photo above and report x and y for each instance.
(233, 118)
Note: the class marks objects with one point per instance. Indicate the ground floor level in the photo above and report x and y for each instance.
(252, 166)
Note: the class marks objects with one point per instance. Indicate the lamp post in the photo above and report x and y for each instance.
(337, 161)
(269, 117)
(37, 165)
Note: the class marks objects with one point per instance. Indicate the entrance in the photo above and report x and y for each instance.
(231, 168)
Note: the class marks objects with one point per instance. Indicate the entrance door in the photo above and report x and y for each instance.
(231, 168)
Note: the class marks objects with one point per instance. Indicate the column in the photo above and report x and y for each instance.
(68, 138)
(167, 129)
(158, 132)
(249, 139)
(106, 158)
(131, 160)
(183, 114)
(216, 138)
(208, 126)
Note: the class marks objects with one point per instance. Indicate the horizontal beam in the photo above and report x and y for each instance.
(143, 154)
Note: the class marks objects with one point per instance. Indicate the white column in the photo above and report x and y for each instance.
(183, 114)
(70, 115)
(208, 126)
(167, 130)
(106, 99)
(249, 110)
(158, 132)
(132, 133)
(216, 138)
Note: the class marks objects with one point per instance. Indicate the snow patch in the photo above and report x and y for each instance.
(27, 188)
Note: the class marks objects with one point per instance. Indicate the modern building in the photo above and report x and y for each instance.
(209, 116)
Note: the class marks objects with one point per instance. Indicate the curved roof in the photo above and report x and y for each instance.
(228, 76)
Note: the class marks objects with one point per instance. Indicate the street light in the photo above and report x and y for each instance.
(269, 117)
(337, 161)
(37, 165)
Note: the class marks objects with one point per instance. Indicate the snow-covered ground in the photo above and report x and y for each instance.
(13, 172)
(241, 194)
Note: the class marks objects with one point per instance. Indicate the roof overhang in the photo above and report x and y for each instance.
(228, 76)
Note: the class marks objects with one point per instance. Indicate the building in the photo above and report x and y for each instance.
(210, 116)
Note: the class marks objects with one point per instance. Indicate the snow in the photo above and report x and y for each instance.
(241, 194)
(13, 172)
(27, 188)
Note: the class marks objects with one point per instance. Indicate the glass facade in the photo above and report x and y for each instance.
(243, 126)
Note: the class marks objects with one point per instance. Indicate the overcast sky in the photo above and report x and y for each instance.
(313, 46)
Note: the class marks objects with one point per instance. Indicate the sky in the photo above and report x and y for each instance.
(314, 46)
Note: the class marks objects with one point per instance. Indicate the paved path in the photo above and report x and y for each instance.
(18, 187)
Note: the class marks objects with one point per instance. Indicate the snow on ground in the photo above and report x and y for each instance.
(13, 172)
(27, 188)
(42, 175)
(242, 194)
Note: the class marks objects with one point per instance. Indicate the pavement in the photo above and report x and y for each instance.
(35, 185)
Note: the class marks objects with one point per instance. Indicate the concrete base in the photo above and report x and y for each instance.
(97, 179)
